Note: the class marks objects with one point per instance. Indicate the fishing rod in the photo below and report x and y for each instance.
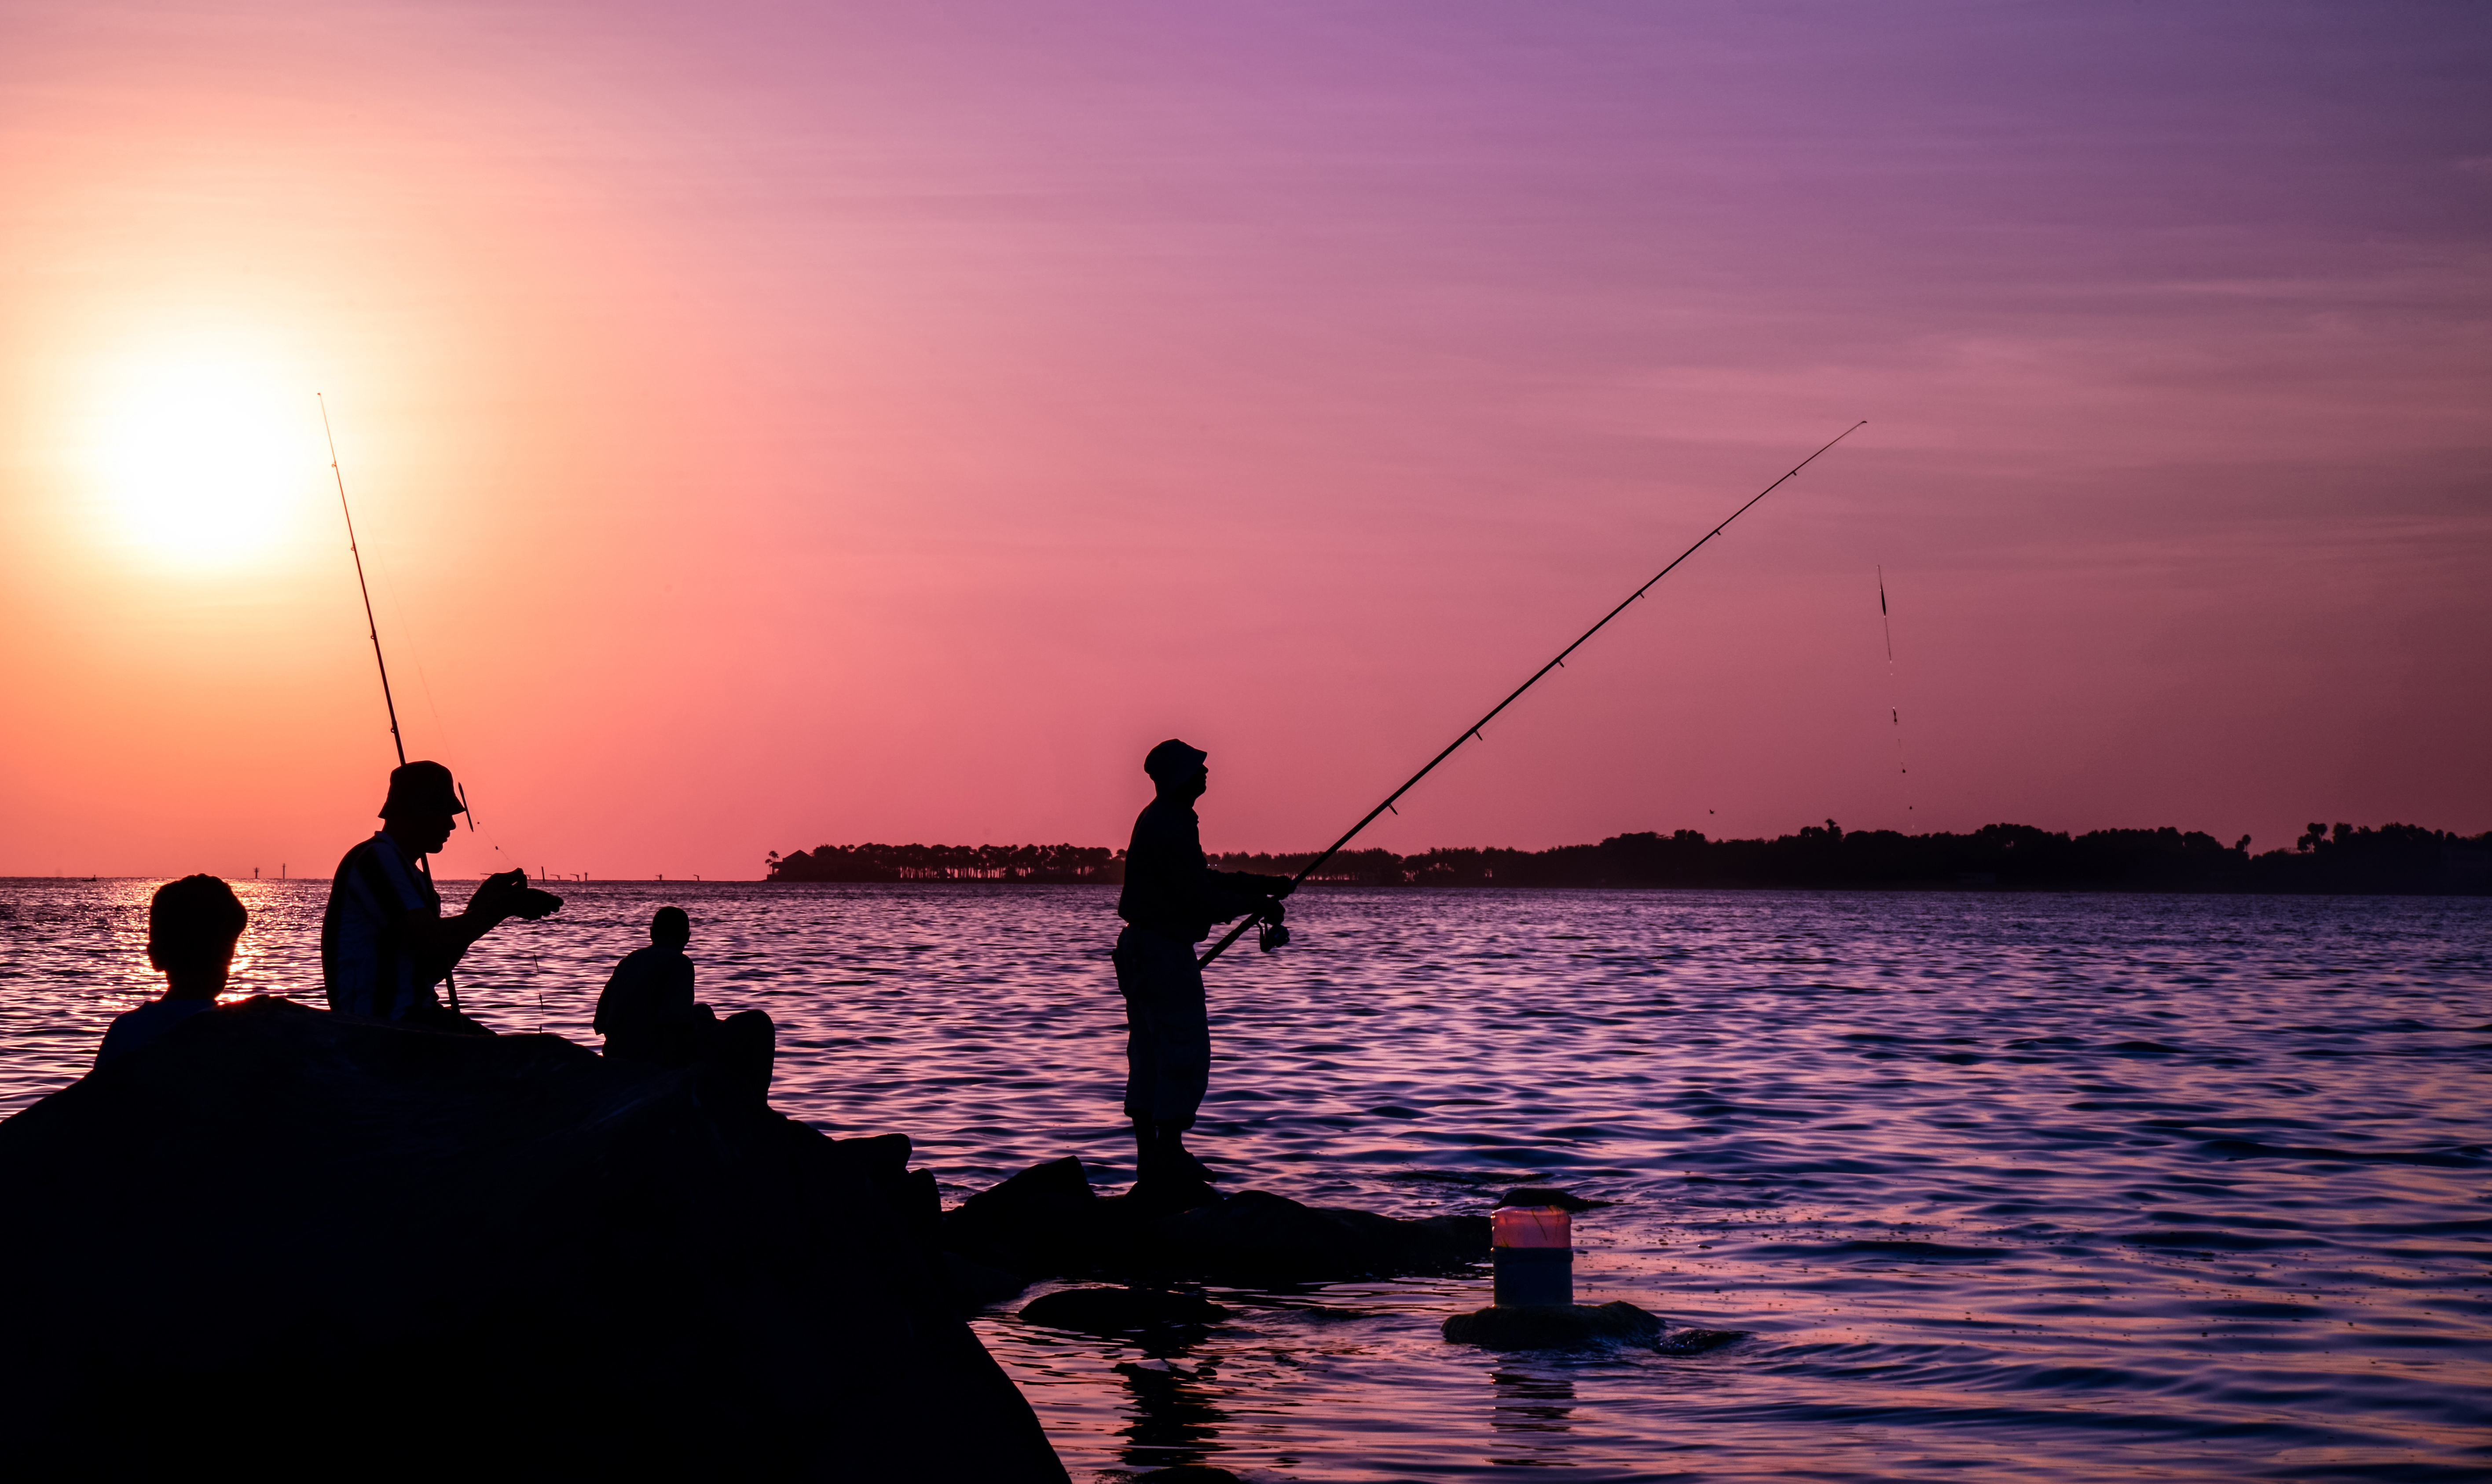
(1472, 732)
(422, 864)
(364, 587)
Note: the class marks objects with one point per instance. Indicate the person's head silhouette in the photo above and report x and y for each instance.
(669, 928)
(1177, 771)
(193, 925)
(422, 806)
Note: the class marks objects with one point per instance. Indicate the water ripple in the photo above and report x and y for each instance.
(2006, 1187)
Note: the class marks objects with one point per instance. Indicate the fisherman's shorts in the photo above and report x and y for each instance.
(1167, 1033)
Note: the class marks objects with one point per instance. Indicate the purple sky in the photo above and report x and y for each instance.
(778, 425)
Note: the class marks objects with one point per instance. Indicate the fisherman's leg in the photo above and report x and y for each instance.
(1141, 1068)
(1181, 1035)
(686, 1042)
(1165, 1069)
(1168, 1050)
(1183, 1027)
(1185, 1092)
(743, 1051)
(433, 1015)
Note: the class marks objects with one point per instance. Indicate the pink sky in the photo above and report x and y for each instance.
(772, 425)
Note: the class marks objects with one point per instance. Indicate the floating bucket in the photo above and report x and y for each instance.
(1533, 1249)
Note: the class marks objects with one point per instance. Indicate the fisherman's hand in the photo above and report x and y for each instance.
(498, 898)
(1276, 886)
(508, 895)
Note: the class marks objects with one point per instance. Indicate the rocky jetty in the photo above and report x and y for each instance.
(285, 1241)
(1046, 1222)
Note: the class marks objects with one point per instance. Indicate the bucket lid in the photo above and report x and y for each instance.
(1531, 1226)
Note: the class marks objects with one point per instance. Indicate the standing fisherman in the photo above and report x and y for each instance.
(1171, 900)
(384, 943)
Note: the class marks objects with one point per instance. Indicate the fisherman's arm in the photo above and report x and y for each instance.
(441, 941)
(1242, 894)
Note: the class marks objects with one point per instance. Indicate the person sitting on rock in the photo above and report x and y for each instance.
(1171, 900)
(647, 1014)
(193, 925)
(384, 943)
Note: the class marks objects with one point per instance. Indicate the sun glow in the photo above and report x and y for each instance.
(206, 461)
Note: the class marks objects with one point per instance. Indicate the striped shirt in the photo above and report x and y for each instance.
(365, 958)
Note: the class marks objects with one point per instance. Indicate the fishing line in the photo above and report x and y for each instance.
(1256, 919)
(1894, 689)
(423, 678)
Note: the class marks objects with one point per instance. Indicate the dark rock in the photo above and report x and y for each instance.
(1552, 1326)
(1165, 1195)
(912, 1193)
(1257, 1237)
(1117, 1310)
(975, 1285)
(1550, 1195)
(1046, 1222)
(452, 1254)
(885, 1154)
(1055, 1187)
(1696, 1342)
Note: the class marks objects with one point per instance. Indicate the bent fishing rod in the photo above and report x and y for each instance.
(423, 864)
(1473, 732)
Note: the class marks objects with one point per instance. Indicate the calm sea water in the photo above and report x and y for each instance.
(2007, 1187)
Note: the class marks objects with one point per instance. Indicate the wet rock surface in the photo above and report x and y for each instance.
(1574, 1327)
(1696, 1342)
(1550, 1195)
(1121, 1310)
(442, 1254)
(1048, 1222)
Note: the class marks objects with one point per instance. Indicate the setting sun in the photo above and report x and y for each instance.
(204, 461)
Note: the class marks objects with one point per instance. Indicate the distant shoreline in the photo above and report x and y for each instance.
(2339, 860)
(2391, 859)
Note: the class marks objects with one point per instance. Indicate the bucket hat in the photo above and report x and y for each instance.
(420, 787)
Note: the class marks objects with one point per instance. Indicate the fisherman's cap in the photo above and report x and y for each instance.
(420, 787)
(1174, 760)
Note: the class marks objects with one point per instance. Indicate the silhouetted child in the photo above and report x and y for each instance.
(647, 1014)
(193, 925)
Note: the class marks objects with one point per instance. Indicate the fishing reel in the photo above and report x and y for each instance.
(526, 901)
(1270, 932)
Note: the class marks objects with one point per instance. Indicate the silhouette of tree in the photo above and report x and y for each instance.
(2392, 857)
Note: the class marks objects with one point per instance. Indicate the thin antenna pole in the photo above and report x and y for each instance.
(368, 622)
(1474, 730)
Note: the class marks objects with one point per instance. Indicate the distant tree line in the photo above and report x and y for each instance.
(1040, 865)
(2393, 858)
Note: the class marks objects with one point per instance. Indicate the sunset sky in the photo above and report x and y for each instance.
(771, 425)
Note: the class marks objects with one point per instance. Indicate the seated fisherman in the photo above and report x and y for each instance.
(193, 925)
(384, 943)
(647, 1014)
